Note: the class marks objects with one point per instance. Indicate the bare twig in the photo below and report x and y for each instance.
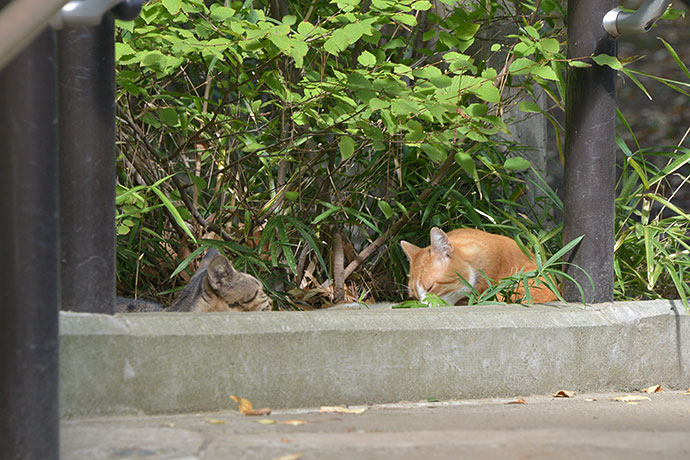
(338, 266)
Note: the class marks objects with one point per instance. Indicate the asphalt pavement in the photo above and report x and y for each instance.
(583, 426)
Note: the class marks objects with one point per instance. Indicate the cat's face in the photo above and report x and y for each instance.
(437, 269)
(231, 290)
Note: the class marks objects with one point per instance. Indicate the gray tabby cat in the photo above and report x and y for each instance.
(215, 287)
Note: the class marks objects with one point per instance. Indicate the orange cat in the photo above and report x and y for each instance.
(467, 252)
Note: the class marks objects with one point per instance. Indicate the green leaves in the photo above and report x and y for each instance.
(173, 6)
(367, 59)
(347, 147)
(516, 164)
(335, 118)
(337, 43)
(610, 61)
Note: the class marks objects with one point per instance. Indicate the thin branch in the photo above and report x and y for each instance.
(338, 265)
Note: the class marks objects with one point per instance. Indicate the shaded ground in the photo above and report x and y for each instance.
(586, 426)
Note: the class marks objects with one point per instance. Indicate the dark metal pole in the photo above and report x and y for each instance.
(29, 301)
(590, 153)
(86, 75)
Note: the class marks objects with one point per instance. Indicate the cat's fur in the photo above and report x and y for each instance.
(215, 287)
(467, 253)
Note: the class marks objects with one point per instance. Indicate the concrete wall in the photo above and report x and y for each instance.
(167, 362)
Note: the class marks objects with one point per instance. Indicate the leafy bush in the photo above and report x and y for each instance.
(302, 137)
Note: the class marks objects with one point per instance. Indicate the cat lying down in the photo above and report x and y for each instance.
(215, 287)
(474, 255)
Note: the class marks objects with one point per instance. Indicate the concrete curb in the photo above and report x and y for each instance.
(181, 363)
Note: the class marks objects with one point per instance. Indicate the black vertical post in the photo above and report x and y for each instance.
(29, 301)
(86, 79)
(590, 152)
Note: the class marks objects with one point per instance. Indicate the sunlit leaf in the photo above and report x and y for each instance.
(347, 147)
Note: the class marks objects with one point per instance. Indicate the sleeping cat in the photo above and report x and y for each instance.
(215, 287)
(468, 253)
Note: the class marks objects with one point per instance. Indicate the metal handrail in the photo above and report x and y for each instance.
(617, 22)
(21, 21)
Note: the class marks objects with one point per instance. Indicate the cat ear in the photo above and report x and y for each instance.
(440, 244)
(220, 273)
(410, 249)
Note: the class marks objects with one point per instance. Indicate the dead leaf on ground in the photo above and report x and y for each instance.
(631, 399)
(285, 440)
(293, 422)
(215, 421)
(590, 399)
(341, 410)
(267, 421)
(288, 457)
(564, 394)
(517, 401)
(688, 392)
(245, 407)
(653, 389)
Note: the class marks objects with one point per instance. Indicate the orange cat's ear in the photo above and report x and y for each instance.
(410, 249)
(440, 244)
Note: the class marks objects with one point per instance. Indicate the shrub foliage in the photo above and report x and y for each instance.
(305, 139)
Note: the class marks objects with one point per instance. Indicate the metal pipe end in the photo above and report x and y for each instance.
(610, 22)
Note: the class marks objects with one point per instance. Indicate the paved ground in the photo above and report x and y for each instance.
(587, 426)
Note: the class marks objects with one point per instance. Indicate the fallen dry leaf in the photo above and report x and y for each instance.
(564, 394)
(631, 399)
(267, 421)
(653, 389)
(517, 401)
(340, 410)
(285, 440)
(215, 421)
(288, 457)
(688, 392)
(245, 407)
(293, 422)
(590, 399)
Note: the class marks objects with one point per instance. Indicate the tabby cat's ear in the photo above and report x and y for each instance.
(440, 245)
(410, 249)
(220, 273)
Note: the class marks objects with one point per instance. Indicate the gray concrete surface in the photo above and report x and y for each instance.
(157, 363)
(587, 426)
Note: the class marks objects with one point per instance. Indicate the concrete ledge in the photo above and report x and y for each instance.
(177, 362)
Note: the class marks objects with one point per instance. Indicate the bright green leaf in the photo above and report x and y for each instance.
(367, 59)
(521, 66)
(465, 161)
(406, 19)
(528, 106)
(376, 103)
(298, 49)
(516, 164)
(173, 6)
(434, 153)
(487, 92)
(385, 209)
(579, 64)
(337, 42)
(305, 27)
(544, 72)
(347, 147)
(532, 32)
(168, 116)
(550, 45)
(421, 6)
(605, 59)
